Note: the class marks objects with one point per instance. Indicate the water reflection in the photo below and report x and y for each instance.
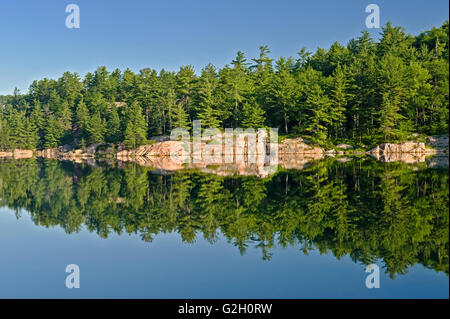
(363, 208)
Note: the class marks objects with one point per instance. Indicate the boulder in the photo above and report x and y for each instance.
(407, 147)
(298, 146)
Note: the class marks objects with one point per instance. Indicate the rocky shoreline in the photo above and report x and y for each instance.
(288, 150)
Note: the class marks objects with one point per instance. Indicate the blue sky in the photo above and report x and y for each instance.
(35, 43)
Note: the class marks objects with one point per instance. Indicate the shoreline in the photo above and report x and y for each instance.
(293, 153)
(291, 146)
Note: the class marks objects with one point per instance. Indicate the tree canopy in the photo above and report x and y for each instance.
(365, 92)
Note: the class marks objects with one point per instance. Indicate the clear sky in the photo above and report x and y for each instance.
(35, 43)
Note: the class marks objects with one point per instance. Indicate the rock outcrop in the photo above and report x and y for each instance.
(401, 157)
(411, 152)
(68, 153)
(298, 146)
(412, 148)
(246, 159)
(6, 154)
(407, 147)
(51, 153)
(344, 146)
(158, 149)
(17, 154)
(433, 145)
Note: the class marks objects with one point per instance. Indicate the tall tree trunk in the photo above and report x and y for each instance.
(285, 123)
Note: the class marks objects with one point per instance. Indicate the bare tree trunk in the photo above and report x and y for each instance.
(285, 123)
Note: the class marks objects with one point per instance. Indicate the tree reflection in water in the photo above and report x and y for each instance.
(366, 209)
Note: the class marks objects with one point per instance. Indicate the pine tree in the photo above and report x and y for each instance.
(185, 86)
(135, 132)
(4, 134)
(253, 115)
(82, 119)
(236, 84)
(31, 136)
(113, 134)
(64, 115)
(37, 117)
(207, 109)
(392, 88)
(179, 116)
(319, 117)
(262, 74)
(339, 100)
(18, 129)
(283, 92)
(52, 132)
(96, 129)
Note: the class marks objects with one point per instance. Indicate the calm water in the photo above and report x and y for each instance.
(294, 234)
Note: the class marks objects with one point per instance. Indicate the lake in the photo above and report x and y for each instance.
(136, 232)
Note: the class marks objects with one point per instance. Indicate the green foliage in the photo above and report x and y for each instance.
(208, 103)
(113, 133)
(52, 132)
(364, 209)
(319, 117)
(253, 115)
(364, 93)
(96, 129)
(82, 119)
(135, 126)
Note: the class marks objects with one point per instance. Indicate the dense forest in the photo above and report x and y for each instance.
(365, 209)
(363, 93)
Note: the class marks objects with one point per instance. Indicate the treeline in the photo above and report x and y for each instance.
(365, 209)
(364, 93)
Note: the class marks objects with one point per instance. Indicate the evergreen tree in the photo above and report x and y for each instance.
(96, 129)
(179, 116)
(185, 86)
(236, 84)
(37, 117)
(319, 117)
(52, 132)
(339, 99)
(82, 119)
(283, 92)
(253, 115)
(392, 88)
(113, 133)
(207, 110)
(367, 93)
(135, 126)
(31, 136)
